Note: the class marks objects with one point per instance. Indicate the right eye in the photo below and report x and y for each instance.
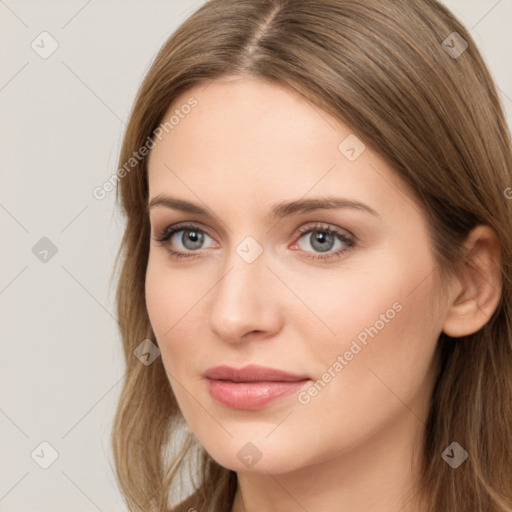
(191, 239)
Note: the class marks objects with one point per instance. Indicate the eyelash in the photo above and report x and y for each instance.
(165, 235)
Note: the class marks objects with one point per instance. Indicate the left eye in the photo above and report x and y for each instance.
(323, 239)
(193, 237)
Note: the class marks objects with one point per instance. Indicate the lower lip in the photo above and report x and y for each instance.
(251, 395)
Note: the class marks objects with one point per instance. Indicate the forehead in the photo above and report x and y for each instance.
(240, 115)
(249, 142)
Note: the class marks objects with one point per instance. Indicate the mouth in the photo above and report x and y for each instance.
(251, 387)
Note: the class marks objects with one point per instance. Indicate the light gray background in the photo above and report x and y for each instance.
(62, 121)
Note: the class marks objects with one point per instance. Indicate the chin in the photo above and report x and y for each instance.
(256, 457)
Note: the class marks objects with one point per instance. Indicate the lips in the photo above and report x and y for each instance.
(251, 387)
(251, 373)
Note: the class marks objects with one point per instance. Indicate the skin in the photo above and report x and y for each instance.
(247, 145)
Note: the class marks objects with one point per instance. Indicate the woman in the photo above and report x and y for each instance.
(315, 271)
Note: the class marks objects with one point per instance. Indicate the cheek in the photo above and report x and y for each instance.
(169, 293)
(163, 299)
(158, 294)
(174, 305)
(386, 334)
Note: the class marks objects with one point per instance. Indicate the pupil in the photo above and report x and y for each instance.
(319, 241)
(192, 239)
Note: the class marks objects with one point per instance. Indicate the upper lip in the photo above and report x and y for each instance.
(251, 373)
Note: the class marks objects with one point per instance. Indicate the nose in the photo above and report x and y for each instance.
(245, 303)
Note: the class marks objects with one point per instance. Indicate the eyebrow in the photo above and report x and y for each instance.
(278, 211)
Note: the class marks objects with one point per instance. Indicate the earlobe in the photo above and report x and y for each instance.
(479, 284)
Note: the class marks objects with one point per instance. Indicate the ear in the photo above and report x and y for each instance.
(479, 284)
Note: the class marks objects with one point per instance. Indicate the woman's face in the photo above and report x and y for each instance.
(357, 329)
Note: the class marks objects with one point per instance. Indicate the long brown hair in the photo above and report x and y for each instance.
(395, 72)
